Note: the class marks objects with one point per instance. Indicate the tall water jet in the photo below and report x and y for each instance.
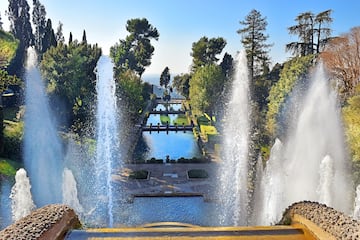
(314, 164)
(42, 148)
(234, 168)
(70, 192)
(21, 199)
(356, 213)
(326, 180)
(107, 148)
(271, 188)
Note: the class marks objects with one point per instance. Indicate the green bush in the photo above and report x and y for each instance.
(13, 133)
(8, 167)
(293, 71)
(140, 174)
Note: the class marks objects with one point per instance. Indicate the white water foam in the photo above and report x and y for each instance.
(21, 200)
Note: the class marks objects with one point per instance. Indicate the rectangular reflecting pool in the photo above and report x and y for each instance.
(173, 144)
(191, 210)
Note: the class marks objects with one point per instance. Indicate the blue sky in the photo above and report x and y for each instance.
(182, 22)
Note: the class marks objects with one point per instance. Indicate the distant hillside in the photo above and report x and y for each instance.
(8, 47)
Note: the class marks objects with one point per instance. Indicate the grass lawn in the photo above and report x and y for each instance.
(164, 119)
(181, 120)
(208, 130)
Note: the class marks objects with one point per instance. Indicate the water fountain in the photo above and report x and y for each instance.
(107, 152)
(42, 148)
(70, 192)
(270, 192)
(356, 213)
(234, 168)
(314, 161)
(21, 199)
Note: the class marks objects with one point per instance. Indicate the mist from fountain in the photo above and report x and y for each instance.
(314, 160)
(107, 148)
(21, 199)
(234, 168)
(42, 148)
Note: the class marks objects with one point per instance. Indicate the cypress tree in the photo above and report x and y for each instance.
(39, 21)
(84, 41)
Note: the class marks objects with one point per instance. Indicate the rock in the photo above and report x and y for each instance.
(49, 222)
(331, 221)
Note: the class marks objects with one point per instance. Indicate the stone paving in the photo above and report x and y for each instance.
(167, 180)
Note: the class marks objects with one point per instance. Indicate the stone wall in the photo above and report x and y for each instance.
(49, 222)
(328, 219)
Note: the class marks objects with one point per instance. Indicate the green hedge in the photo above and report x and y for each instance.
(197, 173)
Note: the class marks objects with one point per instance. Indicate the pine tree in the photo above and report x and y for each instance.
(20, 26)
(254, 40)
(165, 77)
(313, 33)
(135, 52)
(39, 21)
(323, 20)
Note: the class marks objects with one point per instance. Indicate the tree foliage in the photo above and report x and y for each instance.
(39, 21)
(69, 71)
(131, 92)
(342, 59)
(8, 49)
(20, 26)
(206, 86)
(292, 71)
(227, 65)
(181, 83)
(135, 51)
(49, 39)
(351, 116)
(165, 77)
(59, 34)
(205, 51)
(313, 32)
(6, 80)
(254, 39)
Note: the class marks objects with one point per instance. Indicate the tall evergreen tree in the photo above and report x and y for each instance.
(20, 26)
(254, 39)
(313, 32)
(323, 20)
(305, 31)
(165, 77)
(39, 21)
(135, 51)
(70, 38)
(227, 65)
(205, 51)
(49, 39)
(84, 41)
(59, 34)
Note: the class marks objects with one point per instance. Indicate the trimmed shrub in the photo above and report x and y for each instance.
(140, 174)
(197, 173)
